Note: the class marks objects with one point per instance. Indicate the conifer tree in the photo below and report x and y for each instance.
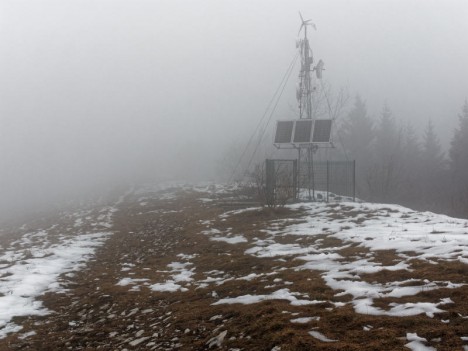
(459, 164)
(410, 188)
(358, 134)
(358, 130)
(432, 154)
(432, 170)
(385, 173)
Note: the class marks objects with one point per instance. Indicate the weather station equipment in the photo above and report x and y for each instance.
(307, 134)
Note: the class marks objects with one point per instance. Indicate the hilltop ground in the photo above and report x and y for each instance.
(172, 269)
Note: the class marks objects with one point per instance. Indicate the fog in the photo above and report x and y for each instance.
(100, 93)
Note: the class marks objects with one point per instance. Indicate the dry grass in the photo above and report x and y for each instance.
(96, 314)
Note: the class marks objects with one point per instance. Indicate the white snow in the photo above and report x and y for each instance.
(180, 274)
(372, 227)
(320, 336)
(368, 227)
(217, 340)
(416, 343)
(168, 286)
(277, 249)
(282, 294)
(381, 227)
(33, 264)
(304, 320)
(130, 281)
(27, 279)
(230, 240)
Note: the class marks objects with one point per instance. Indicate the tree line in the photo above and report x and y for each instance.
(394, 165)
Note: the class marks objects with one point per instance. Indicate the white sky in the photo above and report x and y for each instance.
(98, 88)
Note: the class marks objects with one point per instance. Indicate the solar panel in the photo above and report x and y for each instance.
(303, 131)
(322, 131)
(296, 133)
(283, 132)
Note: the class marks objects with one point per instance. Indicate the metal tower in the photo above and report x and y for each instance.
(304, 90)
(304, 97)
(307, 134)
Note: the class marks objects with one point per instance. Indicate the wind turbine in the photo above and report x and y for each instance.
(304, 24)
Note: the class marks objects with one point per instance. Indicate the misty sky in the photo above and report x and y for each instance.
(96, 92)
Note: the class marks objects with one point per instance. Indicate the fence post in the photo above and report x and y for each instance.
(299, 170)
(354, 180)
(270, 181)
(328, 179)
(295, 180)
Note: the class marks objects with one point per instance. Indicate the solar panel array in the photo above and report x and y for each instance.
(322, 131)
(303, 131)
(283, 132)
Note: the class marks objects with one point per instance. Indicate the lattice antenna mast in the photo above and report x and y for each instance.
(304, 91)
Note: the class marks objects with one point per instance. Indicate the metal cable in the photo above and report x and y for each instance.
(280, 88)
(262, 134)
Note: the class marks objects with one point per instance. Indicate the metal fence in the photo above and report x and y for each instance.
(281, 180)
(329, 177)
(320, 180)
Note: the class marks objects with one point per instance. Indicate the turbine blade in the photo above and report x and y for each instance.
(302, 25)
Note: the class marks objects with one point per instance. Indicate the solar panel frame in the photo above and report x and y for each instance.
(284, 132)
(302, 131)
(322, 131)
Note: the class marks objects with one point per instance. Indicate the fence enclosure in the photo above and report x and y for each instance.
(309, 181)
